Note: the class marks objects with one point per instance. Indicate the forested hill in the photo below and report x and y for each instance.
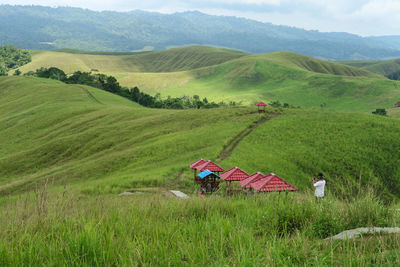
(35, 27)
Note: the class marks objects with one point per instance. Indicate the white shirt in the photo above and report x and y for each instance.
(319, 188)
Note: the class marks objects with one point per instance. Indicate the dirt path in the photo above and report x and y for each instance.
(235, 141)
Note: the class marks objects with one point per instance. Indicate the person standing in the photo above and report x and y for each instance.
(319, 185)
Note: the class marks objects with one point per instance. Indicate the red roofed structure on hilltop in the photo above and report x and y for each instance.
(272, 182)
(246, 183)
(209, 165)
(261, 107)
(234, 174)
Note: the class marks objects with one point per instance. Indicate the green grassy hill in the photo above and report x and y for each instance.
(382, 67)
(314, 65)
(286, 77)
(227, 75)
(346, 147)
(78, 134)
(90, 145)
(174, 59)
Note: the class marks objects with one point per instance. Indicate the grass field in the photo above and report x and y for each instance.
(77, 133)
(227, 75)
(382, 67)
(254, 78)
(394, 112)
(153, 230)
(66, 151)
(81, 133)
(174, 59)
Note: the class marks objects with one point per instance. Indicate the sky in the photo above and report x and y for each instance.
(362, 17)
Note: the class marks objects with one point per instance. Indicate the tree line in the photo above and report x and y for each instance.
(394, 76)
(110, 84)
(12, 57)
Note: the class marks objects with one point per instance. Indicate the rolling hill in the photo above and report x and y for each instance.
(228, 75)
(382, 67)
(66, 151)
(75, 134)
(171, 60)
(37, 27)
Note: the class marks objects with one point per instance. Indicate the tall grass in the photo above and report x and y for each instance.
(152, 229)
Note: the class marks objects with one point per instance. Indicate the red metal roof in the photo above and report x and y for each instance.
(245, 183)
(209, 165)
(234, 174)
(197, 163)
(272, 182)
(261, 104)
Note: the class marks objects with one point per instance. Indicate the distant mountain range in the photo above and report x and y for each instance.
(36, 27)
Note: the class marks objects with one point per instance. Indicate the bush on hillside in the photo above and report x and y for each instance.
(394, 75)
(380, 111)
(51, 73)
(12, 57)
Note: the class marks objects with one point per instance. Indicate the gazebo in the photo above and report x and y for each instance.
(234, 174)
(209, 181)
(272, 183)
(246, 183)
(195, 164)
(207, 165)
(261, 107)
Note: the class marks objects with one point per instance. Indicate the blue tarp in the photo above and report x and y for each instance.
(206, 173)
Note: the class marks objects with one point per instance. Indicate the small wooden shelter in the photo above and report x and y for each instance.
(209, 181)
(272, 183)
(202, 165)
(246, 183)
(234, 174)
(261, 107)
(195, 164)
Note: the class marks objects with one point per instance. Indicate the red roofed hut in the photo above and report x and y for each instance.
(261, 107)
(234, 174)
(207, 165)
(195, 164)
(272, 183)
(246, 183)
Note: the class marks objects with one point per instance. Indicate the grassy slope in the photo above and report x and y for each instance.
(76, 133)
(284, 76)
(394, 112)
(98, 143)
(70, 133)
(175, 59)
(344, 146)
(382, 67)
